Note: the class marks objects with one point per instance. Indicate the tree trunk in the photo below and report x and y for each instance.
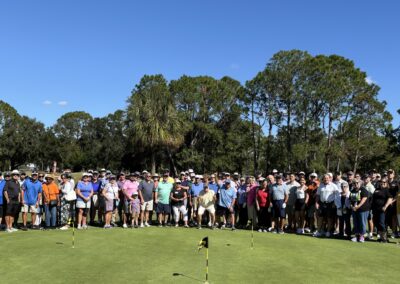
(328, 150)
(153, 162)
(172, 161)
(255, 156)
(268, 149)
(288, 137)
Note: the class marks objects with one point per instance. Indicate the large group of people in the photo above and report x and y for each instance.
(351, 206)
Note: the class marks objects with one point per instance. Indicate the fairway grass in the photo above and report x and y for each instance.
(154, 255)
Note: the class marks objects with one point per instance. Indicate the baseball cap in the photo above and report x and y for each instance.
(235, 174)
(274, 171)
(213, 176)
(302, 173)
(178, 181)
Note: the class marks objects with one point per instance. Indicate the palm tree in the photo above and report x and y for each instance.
(153, 118)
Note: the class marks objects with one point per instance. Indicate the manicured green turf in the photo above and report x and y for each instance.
(153, 255)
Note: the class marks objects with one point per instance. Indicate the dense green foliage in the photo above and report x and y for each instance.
(301, 112)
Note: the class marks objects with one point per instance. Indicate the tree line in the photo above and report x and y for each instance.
(302, 112)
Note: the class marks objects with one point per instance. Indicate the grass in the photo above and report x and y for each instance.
(154, 255)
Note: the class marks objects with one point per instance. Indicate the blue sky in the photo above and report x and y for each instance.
(60, 56)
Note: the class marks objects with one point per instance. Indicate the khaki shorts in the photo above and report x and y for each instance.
(195, 203)
(147, 206)
(210, 209)
(29, 209)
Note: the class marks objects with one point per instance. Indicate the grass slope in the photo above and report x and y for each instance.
(153, 255)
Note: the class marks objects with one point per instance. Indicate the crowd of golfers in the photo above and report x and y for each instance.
(351, 206)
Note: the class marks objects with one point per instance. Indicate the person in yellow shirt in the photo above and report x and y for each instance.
(206, 201)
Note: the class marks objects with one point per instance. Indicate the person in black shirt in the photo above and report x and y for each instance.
(360, 207)
(12, 195)
(391, 215)
(178, 195)
(381, 199)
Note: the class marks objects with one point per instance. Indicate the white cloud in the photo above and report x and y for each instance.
(47, 102)
(62, 103)
(369, 80)
(234, 66)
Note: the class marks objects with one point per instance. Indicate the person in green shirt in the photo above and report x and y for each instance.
(162, 199)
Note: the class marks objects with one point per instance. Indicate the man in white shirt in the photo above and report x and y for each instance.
(292, 186)
(327, 195)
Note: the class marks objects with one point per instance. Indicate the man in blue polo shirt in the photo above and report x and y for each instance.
(32, 193)
(195, 189)
(212, 184)
(226, 202)
(95, 202)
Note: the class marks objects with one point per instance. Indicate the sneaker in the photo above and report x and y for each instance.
(64, 228)
(85, 227)
(260, 230)
(9, 231)
(125, 226)
(209, 224)
(147, 224)
(79, 227)
(354, 240)
(223, 226)
(186, 226)
(233, 228)
(141, 225)
(302, 232)
(361, 239)
(199, 227)
(14, 230)
(160, 226)
(270, 229)
(265, 231)
(317, 234)
(328, 234)
(281, 232)
(24, 228)
(307, 230)
(176, 225)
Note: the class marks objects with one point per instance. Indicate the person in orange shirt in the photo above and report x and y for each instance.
(51, 194)
(312, 186)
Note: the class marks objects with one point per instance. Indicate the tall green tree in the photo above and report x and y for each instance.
(152, 116)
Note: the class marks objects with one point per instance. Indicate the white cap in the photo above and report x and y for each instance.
(330, 175)
(302, 173)
(313, 175)
(235, 174)
(261, 179)
(197, 176)
(192, 175)
(178, 181)
(275, 171)
(15, 172)
(191, 171)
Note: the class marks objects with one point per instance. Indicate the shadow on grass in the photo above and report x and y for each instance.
(176, 274)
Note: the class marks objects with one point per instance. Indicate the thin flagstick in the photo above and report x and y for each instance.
(252, 235)
(73, 234)
(206, 265)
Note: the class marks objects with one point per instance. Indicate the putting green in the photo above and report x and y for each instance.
(169, 255)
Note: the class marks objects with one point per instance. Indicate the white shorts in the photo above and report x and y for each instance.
(30, 209)
(82, 205)
(147, 206)
(182, 209)
(210, 209)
